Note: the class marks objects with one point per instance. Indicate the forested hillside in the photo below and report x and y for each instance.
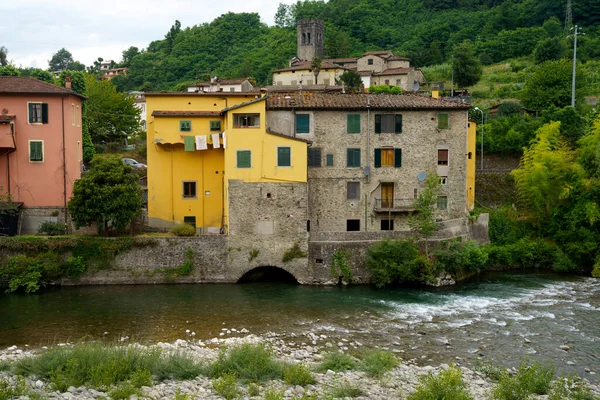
(240, 45)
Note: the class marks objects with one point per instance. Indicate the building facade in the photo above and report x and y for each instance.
(222, 85)
(40, 147)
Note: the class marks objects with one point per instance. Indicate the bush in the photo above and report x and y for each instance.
(447, 385)
(183, 230)
(346, 389)
(226, 386)
(273, 394)
(563, 263)
(392, 261)
(124, 391)
(248, 362)
(52, 228)
(570, 388)
(377, 362)
(298, 374)
(529, 379)
(337, 362)
(596, 270)
(455, 256)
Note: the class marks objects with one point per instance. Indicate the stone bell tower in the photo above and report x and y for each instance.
(310, 39)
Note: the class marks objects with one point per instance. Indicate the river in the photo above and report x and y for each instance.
(501, 316)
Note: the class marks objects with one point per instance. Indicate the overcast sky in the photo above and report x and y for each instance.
(33, 30)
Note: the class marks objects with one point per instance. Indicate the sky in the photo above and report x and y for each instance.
(33, 30)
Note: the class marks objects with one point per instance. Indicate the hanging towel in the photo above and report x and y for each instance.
(216, 142)
(188, 143)
(224, 140)
(201, 143)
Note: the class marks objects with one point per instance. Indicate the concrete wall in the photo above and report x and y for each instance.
(33, 217)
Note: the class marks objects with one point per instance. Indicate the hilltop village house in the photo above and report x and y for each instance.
(374, 67)
(222, 85)
(40, 147)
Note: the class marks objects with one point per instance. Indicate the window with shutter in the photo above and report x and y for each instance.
(377, 158)
(443, 121)
(442, 157)
(302, 123)
(442, 202)
(397, 158)
(36, 151)
(314, 157)
(215, 126)
(185, 126)
(38, 113)
(353, 190)
(353, 125)
(387, 157)
(398, 123)
(353, 158)
(388, 123)
(284, 156)
(244, 159)
(330, 160)
(189, 190)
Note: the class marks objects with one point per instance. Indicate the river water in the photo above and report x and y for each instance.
(501, 316)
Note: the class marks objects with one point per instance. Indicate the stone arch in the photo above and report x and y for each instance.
(267, 273)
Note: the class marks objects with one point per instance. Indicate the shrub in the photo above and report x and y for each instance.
(346, 389)
(33, 272)
(456, 256)
(570, 388)
(337, 362)
(377, 362)
(293, 252)
(392, 261)
(339, 265)
(181, 396)
(298, 374)
(529, 379)
(141, 377)
(8, 391)
(488, 369)
(226, 386)
(596, 270)
(253, 390)
(448, 384)
(183, 230)
(124, 391)
(563, 263)
(273, 394)
(503, 227)
(248, 362)
(52, 228)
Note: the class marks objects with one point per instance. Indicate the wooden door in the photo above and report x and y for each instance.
(387, 195)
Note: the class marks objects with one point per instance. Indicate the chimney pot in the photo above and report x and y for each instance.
(68, 82)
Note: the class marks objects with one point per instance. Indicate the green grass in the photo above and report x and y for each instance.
(529, 379)
(102, 367)
(253, 389)
(345, 389)
(447, 385)
(337, 362)
(226, 386)
(253, 363)
(273, 394)
(377, 362)
(181, 396)
(298, 374)
(570, 388)
(123, 391)
(8, 391)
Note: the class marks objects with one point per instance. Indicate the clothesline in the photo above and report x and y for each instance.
(202, 142)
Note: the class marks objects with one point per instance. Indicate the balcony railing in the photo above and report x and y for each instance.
(394, 205)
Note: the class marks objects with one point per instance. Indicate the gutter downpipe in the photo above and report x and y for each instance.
(64, 160)
(223, 230)
(368, 156)
(12, 131)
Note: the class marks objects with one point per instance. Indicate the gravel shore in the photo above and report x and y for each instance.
(307, 349)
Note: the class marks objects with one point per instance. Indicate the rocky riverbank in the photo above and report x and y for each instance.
(307, 349)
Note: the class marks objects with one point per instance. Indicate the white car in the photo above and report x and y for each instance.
(134, 163)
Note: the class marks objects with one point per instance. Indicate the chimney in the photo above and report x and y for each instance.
(68, 82)
(435, 94)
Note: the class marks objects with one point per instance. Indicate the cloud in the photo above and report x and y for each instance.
(89, 29)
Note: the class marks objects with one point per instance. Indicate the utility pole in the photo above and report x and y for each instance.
(574, 65)
(568, 18)
(452, 90)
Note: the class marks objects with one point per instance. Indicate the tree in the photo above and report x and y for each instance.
(388, 89)
(3, 56)
(38, 73)
(284, 17)
(111, 115)
(422, 221)
(550, 84)
(128, 56)
(172, 34)
(315, 66)
(60, 60)
(9, 70)
(350, 80)
(467, 68)
(108, 194)
(549, 49)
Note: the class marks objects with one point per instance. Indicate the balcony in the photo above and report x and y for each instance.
(394, 205)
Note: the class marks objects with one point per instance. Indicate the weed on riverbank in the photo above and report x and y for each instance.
(448, 384)
(337, 362)
(298, 374)
(529, 379)
(377, 362)
(253, 363)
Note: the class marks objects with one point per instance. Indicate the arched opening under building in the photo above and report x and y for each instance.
(268, 274)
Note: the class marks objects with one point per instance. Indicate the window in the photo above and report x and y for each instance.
(442, 202)
(388, 158)
(443, 122)
(353, 225)
(388, 123)
(78, 117)
(190, 220)
(329, 160)
(38, 113)
(73, 114)
(353, 159)
(284, 156)
(215, 126)
(326, 81)
(398, 82)
(244, 159)
(36, 151)
(314, 157)
(416, 193)
(387, 224)
(185, 126)
(387, 81)
(246, 120)
(189, 190)
(443, 180)
(308, 225)
(442, 157)
(232, 89)
(370, 61)
(353, 125)
(353, 191)
(302, 123)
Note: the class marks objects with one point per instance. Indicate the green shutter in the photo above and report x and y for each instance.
(284, 157)
(244, 159)
(302, 123)
(185, 126)
(397, 158)
(215, 125)
(443, 121)
(188, 143)
(44, 113)
(377, 123)
(353, 123)
(31, 112)
(330, 160)
(35, 151)
(353, 158)
(398, 123)
(377, 158)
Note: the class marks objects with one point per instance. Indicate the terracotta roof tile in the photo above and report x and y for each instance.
(25, 84)
(222, 82)
(306, 65)
(339, 101)
(394, 71)
(185, 113)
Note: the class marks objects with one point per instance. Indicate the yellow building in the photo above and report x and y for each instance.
(471, 142)
(198, 142)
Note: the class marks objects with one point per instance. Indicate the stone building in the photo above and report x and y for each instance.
(371, 153)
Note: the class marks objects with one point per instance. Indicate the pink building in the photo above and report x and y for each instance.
(40, 147)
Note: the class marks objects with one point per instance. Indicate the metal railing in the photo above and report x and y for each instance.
(394, 205)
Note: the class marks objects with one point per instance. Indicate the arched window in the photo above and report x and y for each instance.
(308, 38)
